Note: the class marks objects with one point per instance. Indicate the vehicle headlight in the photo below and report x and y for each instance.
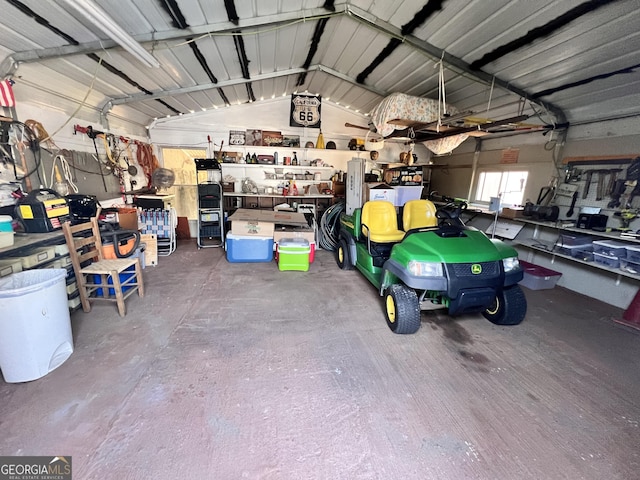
(510, 264)
(425, 269)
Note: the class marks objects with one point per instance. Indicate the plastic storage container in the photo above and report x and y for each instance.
(5, 223)
(568, 239)
(6, 231)
(572, 249)
(583, 253)
(35, 327)
(610, 248)
(633, 253)
(607, 260)
(126, 276)
(37, 256)
(629, 266)
(244, 248)
(9, 266)
(293, 254)
(537, 277)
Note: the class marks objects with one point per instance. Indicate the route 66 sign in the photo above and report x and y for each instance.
(305, 111)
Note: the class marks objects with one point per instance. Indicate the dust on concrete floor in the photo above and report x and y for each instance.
(228, 371)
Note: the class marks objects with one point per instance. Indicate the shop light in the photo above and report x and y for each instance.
(91, 12)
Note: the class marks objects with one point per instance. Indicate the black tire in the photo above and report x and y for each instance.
(509, 307)
(342, 255)
(402, 309)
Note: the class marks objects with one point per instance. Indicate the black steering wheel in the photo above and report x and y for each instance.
(449, 214)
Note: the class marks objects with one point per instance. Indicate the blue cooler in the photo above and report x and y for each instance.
(249, 248)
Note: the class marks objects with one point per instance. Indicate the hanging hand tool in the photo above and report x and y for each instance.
(600, 185)
(634, 193)
(613, 176)
(587, 184)
(618, 189)
(546, 193)
(573, 203)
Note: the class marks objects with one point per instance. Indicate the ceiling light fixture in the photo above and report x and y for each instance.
(91, 12)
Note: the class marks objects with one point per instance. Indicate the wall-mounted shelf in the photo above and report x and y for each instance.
(536, 243)
(543, 247)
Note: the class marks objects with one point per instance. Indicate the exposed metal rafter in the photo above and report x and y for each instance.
(453, 63)
(210, 86)
(159, 39)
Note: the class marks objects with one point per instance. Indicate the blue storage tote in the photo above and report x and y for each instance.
(126, 276)
(245, 248)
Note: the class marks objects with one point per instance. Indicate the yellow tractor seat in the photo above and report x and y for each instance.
(419, 214)
(380, 222)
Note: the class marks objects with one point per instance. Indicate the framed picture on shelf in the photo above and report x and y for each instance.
(254, 137)
(271, 139)
(291, 141)
(237, 137)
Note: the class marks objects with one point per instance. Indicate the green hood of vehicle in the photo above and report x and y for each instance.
(473, 247)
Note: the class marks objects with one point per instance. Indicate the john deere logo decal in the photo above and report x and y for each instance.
(476, 269)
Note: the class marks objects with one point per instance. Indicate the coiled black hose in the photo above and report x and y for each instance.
(330, 226)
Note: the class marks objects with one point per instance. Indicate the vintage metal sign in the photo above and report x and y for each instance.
(305, 111)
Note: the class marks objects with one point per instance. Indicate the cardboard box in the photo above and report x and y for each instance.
(405, 193)
(262, 222)
(380, 191)
(512, 212)
(252, 228)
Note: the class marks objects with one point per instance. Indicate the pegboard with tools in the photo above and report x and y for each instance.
(611, 186)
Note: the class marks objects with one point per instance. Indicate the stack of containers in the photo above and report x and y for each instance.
(576, 246)
(631, 263)
(609, 252)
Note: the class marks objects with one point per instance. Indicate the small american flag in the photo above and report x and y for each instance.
(6, 94)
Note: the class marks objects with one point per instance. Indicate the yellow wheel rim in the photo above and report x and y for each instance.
(391, 309)
(341, 255)
(493, 310)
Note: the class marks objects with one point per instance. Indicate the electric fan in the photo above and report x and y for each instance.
(162, 178)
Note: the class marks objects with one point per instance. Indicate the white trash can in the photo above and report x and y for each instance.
(35, 327)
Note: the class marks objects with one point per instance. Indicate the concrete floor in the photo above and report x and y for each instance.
(229, 371)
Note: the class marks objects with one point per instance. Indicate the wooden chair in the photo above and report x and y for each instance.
(95, 275)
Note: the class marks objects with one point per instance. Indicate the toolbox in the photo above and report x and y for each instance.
(293, 254)
(42, 210)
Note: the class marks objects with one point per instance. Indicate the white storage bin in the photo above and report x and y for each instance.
(35, 327)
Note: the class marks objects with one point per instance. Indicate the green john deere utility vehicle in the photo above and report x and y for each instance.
(434, 262)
